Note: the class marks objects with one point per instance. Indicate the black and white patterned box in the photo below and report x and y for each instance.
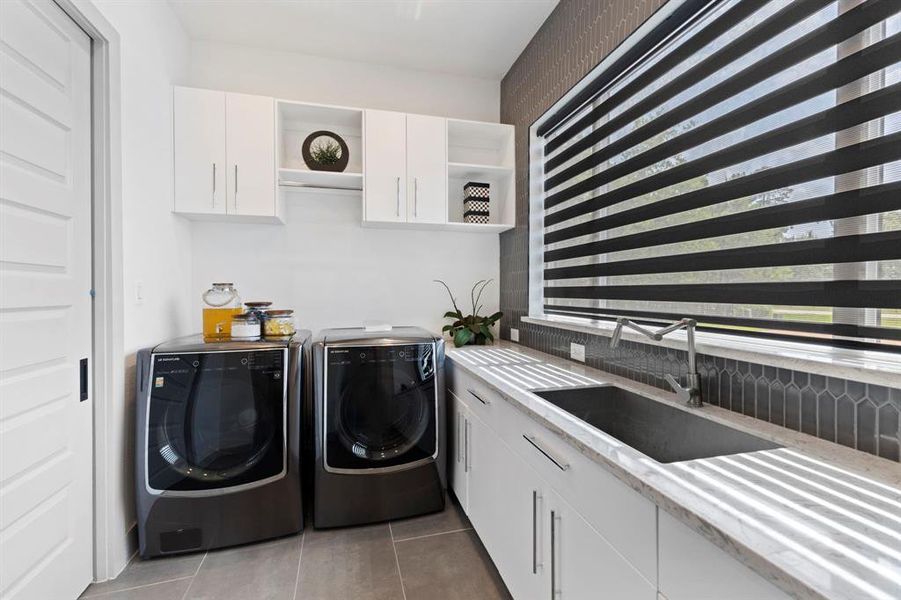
(476, 203)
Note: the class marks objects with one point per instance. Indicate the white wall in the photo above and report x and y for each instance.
(156, 245)
(323, 264)
(336, 274)
(314, 79)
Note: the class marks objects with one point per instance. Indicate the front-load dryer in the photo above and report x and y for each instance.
(378, 414)
(218, 443)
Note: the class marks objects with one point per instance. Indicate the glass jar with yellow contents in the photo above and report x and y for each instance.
(220, 303)
(278, 323)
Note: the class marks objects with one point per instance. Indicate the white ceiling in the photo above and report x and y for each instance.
(479, 38)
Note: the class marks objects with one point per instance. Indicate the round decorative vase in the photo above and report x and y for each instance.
(320, 137)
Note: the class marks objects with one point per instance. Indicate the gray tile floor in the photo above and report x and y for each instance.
(433, 557)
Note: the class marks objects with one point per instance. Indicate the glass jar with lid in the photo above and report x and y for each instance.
(246, 326)
(279, 323)
(221, 303)
(258, 307)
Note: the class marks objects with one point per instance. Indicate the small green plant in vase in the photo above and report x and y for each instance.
(472, 328)
(326, 151)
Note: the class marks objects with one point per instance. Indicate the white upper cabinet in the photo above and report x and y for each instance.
(239, 156)
(224, 149)
(199, 145)
(250, 155)
(385, 166)
(426, 169)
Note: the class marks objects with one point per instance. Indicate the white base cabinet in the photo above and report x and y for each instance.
(691, 568)
(560, 527)
(584, 565)
(541, 545)
(458, 450)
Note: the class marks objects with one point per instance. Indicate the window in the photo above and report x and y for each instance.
(739, 163)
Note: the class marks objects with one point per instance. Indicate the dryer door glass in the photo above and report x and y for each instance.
(380, 406)
(216, 419)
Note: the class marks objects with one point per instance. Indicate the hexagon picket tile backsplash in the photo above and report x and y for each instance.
(858, 415)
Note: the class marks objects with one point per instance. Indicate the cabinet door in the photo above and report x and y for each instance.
(519, 510)
(506, 507)
(250, 152)
(483, 467)
(426, 169)
(384, 166)
(583, 566)
(692, 568)
(458, 463)
(199, 150)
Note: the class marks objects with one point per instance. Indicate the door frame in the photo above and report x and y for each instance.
(107, 273)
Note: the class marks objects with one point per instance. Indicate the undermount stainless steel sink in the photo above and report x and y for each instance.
(661, 432)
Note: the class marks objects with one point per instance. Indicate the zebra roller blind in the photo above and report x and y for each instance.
(744, 170)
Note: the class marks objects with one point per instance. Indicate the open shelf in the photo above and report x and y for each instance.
(476, 172)
(474, 143)
(479, 227)
(305, 178)
(297, 120)
(483, 153)
(458, 227)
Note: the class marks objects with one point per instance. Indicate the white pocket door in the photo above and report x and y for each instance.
(46, 505)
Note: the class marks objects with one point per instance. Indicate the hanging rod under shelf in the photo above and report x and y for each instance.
(308, 186)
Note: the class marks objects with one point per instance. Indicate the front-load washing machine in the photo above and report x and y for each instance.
(378, 415)
(218, 443)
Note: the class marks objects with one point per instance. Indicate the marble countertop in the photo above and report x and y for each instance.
(817, 519)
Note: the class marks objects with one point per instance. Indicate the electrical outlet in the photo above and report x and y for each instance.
(514, 335)
(577, 352)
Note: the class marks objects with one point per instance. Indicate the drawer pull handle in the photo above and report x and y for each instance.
(466, 446)
(554, 591)
(479, 398)
(535, 499)
(560, 463)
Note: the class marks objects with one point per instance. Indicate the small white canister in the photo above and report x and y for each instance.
(246, 326)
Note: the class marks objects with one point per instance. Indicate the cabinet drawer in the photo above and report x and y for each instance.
(478, 396)
(625, 518)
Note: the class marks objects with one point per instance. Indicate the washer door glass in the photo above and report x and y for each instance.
(216, 420)
(380, 406)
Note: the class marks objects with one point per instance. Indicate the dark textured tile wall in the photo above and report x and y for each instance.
(575, 38)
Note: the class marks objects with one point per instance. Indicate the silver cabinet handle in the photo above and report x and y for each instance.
(466, 445)
(559, 462)
(236, 187)
(553, 556)
(213, 195)
(459, 437)
(479, 398)
(415, 197)
(535, 499)
(397, 211)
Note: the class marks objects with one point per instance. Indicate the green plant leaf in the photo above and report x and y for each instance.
(447, 328)
(453, 315)
(462, 337)
(487, 333)
(449, 293)
(493, 318)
